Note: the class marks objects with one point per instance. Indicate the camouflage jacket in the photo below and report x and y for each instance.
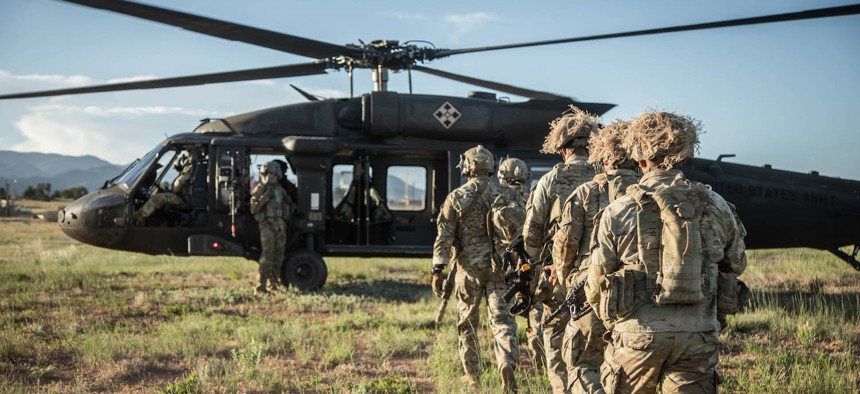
(461, 229)
(270, 201)
(182, 183)
(615, 247)
(555, 185)
(571, 247)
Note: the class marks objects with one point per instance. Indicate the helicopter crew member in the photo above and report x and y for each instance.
(568, 136)
(675, 242)
(509, 214)
(464, 237)
(181, 187)
(583, 343)
(272, 208)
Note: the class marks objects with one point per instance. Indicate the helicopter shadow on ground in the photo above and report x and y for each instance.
(381, 289)
(842, 305)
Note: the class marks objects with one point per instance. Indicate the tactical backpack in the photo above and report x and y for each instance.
(673, 227)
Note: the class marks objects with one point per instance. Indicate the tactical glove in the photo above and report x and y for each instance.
(436, 282)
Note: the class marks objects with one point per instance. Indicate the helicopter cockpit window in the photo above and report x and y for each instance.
(166, 171)
(136, 171)
(406, 188)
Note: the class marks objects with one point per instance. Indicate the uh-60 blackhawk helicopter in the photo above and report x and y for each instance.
(372, 171)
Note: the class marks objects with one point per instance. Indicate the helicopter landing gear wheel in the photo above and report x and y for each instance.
(305, 269)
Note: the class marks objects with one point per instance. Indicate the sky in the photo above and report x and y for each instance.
(784, 94)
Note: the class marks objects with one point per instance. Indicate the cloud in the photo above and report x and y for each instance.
(404, 16)
(116, 134)
(12, 83)
(468, 22)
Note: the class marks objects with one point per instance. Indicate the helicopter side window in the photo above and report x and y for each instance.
(341, 179)
(406, 188)
(165, 171)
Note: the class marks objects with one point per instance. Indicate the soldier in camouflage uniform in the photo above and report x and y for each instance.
(272, 208)
(583, 343)
(181, 187)
(658, 255)
(509, 213)
(462, 229)
(568, 136)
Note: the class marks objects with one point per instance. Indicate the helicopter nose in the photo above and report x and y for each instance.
(71, 221)
(93, 218)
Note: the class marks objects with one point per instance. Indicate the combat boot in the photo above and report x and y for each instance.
(261, 289)
(470, 381)
(509, 380)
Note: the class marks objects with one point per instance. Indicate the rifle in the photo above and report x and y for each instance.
(570, 306)
(519, 276)
(447, 289)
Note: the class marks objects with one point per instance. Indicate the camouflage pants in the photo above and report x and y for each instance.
(470, 290)
(535, 338)
(583, 350)
(682, 362)
(158, 201)
(273, 238)
(553, 337)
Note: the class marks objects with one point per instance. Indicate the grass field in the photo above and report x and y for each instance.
(75, 318)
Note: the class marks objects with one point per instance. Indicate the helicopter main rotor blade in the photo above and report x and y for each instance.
(293, 70)
(791, 16)
(533, 94)
(223, 29)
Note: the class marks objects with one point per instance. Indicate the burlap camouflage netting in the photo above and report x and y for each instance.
(655, 135)
(572, 123)
(606, 146)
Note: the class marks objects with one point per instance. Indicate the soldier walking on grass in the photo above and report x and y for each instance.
(568, 137)
(659, 256)
(272, 208)
(583, 343)
(462, 228)
(509, 214)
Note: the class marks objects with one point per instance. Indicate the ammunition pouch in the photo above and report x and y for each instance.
(621, 293)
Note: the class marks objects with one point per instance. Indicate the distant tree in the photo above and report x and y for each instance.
(41, 192)
(2, 193)
(73, 193)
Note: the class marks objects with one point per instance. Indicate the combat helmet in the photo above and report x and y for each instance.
(271, 168)
(664, 137)
(476, 161)
(513, 171)
(607, 146)
(571, 124)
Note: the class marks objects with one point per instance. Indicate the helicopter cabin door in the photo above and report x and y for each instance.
(385, 200)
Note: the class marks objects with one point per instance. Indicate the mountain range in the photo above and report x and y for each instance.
(62, 172)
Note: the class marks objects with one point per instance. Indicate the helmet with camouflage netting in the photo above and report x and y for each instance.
(565, 131)
(607, 146)
(476, 161)
(663, 137)
(513, 171)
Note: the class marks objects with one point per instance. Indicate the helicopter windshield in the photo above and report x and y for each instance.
(131, 175)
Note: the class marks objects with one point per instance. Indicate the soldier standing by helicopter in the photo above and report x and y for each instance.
(583, 343)
(462, 229)
(272, 208)
(508, 216)
(568, 136)
(659, 257)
